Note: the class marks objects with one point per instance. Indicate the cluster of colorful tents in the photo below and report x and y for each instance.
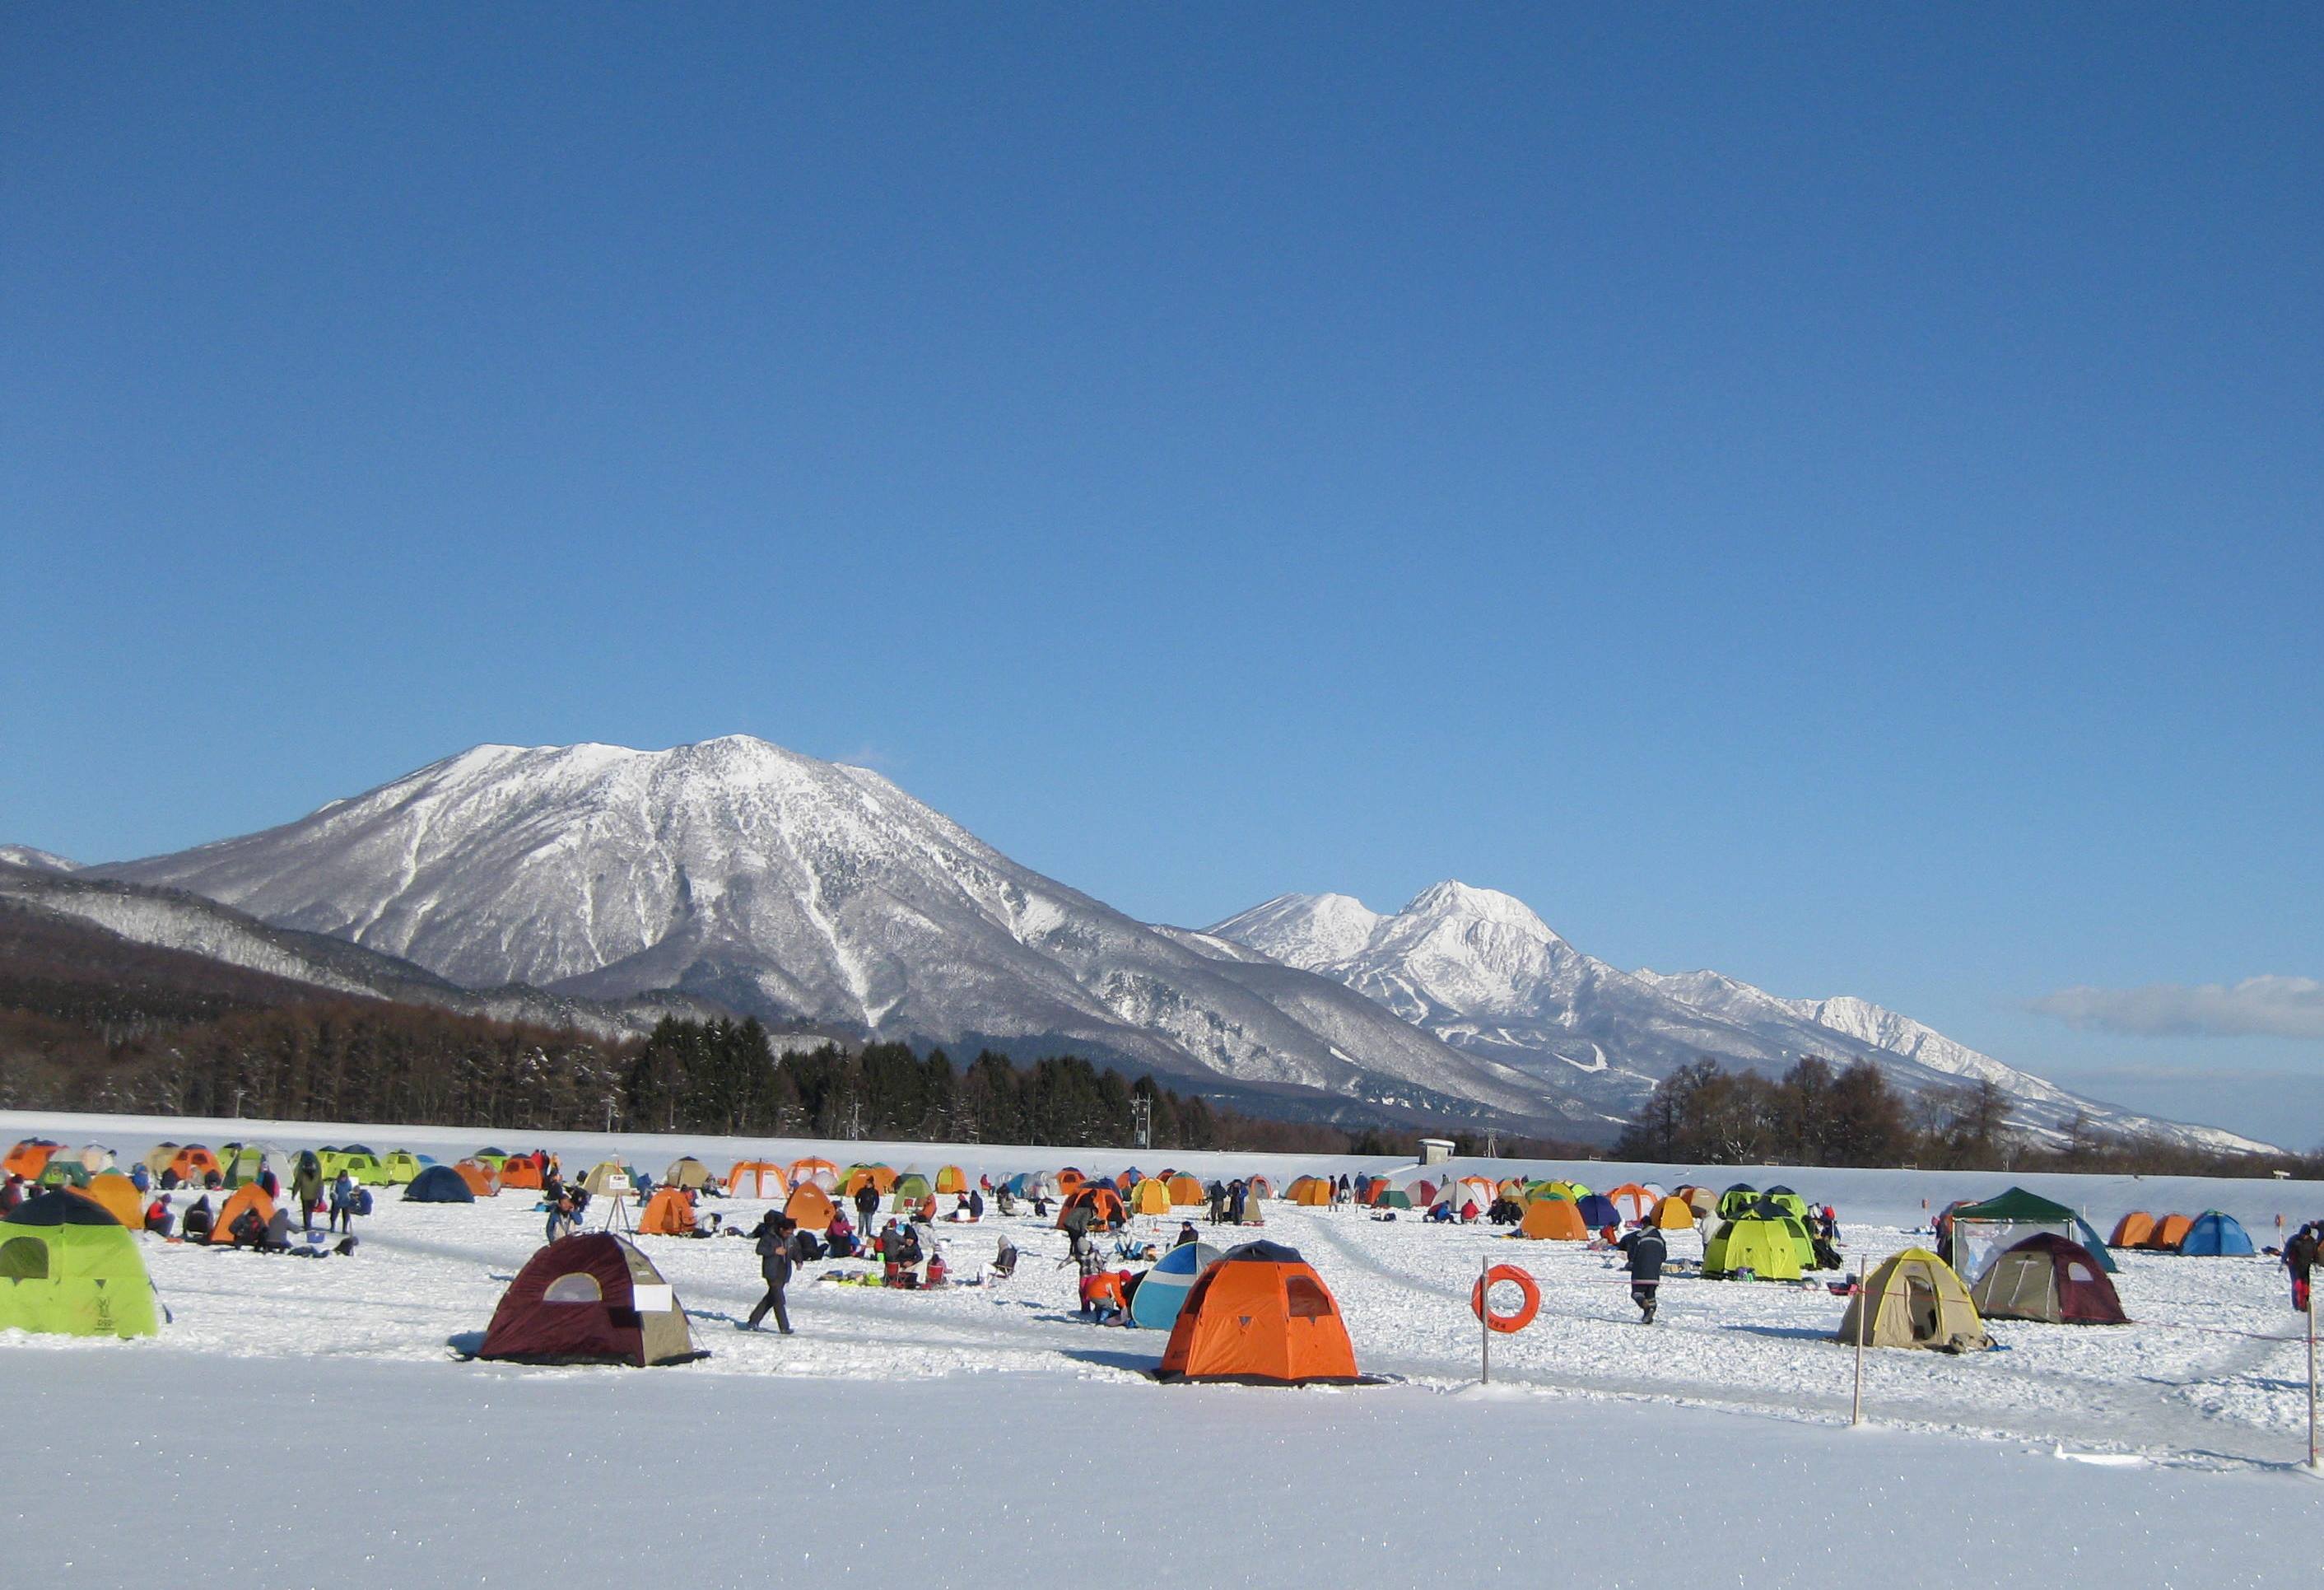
(2210, 1235)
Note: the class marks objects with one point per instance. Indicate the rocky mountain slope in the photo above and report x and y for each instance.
(1480, 970)
(802, 892)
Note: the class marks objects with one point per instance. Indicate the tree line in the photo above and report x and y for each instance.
(1815, 1114)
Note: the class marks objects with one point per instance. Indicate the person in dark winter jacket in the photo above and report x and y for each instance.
(1237, 1193)
(1218, 1203)
(775, 1265)
(196, 1227)
(867, 1205)
(1646, 1248)
(307, 1187)
(2300, 1255)
(1187, 1234)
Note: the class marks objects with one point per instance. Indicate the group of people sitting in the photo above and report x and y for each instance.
(278, 1232)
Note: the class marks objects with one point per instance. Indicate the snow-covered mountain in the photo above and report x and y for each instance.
(169, 918)
(803, 891)
(38, 861)
(1480, 970)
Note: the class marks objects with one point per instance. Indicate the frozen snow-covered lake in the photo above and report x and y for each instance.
(989, 1436)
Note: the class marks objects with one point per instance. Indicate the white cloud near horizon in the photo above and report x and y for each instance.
(2262, 1007)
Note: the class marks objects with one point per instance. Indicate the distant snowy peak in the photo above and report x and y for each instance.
(1481, 971)
(37, 861)
(805, 893)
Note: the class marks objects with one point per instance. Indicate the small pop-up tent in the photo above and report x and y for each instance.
(1762, 1247)
(2212, 1235)
(757, 1179)
(2169, 1232)
(1916, 1300)
(2049, 1279)
(438, 1183)
(519, 1174)
(2133, 1230)
(402, 1165)
(1632, 1202)
(589, 1299)
(1737, 1201)
(1103, 1203)
(950, 1178)
(1149, 1196)
(1185, 1192)
(810, 1207)
(1673, 1214)
(117, 1195)
(666, 1214)
(687, 1172)
(1553, 1220)
(1162, 1292)
(248, 1195)
(1598, 1211)
(69, 1268)
(822, 1172)
(1259, 1315)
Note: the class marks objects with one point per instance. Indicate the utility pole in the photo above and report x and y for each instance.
(1492, 1144)
(1141, 1119)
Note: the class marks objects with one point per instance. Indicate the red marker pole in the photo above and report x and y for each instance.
(1485, 1345)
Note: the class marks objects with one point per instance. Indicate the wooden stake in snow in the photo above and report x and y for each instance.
(1856, 1406)
(2311, 1381)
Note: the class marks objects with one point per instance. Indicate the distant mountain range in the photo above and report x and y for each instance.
(614, 884)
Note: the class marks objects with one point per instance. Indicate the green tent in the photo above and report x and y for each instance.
(367, 1168)
(1788, 1201)
(911, 1188)
(496, 1158)
(1394, 1199)
(1738, 1201)
(69, 1268)
(1982, 1233)
(1762, 1247)
(1803, 1245)
(401, 1166)
(243, 1162)
(63, 1171)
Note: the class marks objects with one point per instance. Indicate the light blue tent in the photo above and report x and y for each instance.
(1163, 1290)
(2215, 1236)
(2097, 1246)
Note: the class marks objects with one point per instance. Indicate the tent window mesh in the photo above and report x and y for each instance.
(576, 1287)
(1308, 1300)
(25, 1258)
(2077, 1270)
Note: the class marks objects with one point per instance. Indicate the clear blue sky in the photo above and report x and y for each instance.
(1830, 496)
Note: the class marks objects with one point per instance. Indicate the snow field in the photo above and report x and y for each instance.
(989, 1435)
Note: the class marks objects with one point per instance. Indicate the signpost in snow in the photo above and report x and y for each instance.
(1856, 1405)
(1485, 1342)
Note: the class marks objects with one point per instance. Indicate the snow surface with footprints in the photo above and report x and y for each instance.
(999, 1436)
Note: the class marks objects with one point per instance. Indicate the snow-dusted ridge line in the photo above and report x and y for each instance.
(1480, 969)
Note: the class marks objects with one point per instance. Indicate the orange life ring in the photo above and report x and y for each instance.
(1506, 1322)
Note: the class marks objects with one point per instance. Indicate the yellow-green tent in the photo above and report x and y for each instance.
(69, 1268)
(402, 1165)
(1762, 1247)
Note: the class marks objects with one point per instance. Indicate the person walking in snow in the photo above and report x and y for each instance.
(867, 1205)
(1646, 1248)
(2300, 1256)
(774, 1247)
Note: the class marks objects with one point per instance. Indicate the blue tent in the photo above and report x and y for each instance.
(1162, 1291)
(1598, 1211)
(2215, 1236)
(438, 1183)
(2096, 1243)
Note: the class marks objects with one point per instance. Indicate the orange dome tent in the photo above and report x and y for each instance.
(1186, 1190)
(29, 1158)
(1673, 1214)
(521, 1174)
(2134, 1230)
(952, 1178)
(1069, 1181)
(1312, 1191)
(1149, 1196)
(116, 1195)
(2169, 1232)
(194, 1164)
(481, 1181)
(757, 1179)
(1103, 1203)
(667, 1213)
(810, 1206)
(248, 1195)
(1257, 1187)
(822, 1172)
(1553, 1220)
(1259, 1315)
